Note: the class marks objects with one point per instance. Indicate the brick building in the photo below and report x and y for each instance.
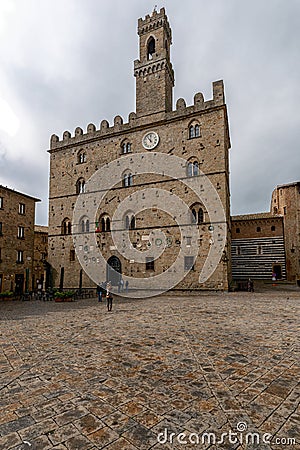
(17, 215)
(286, 202)
(188, 146)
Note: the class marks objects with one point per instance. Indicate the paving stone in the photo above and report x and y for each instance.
(154, 364)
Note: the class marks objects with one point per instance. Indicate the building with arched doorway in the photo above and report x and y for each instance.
(197, 135)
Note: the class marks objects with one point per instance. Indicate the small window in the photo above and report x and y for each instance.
(66, 227)
(1, 202)
(193, 169)
(80, 186)
(1, 228)
(21, 231)
(237, 230)
(197, 215)
(22, 208)
(273, 228)
(126, 147)
(81, 157)
(149, 263)
(275, 210)
(191, 132)
(20, 256)
(0, 258)
(259, 250)
(284, 210)
(194, 130)
(238, 250)
(188, 241)
(72, 255)
(104, 223)
(127, 180)
(44, 255)
(258, 229)
(189, 263)
(84, 225)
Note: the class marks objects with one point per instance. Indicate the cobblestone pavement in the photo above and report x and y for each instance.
(74, 376)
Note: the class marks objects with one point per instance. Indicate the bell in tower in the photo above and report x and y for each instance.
(153, 70)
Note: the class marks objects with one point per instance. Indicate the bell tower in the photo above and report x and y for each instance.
(153, 70)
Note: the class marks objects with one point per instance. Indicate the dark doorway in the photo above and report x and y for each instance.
(61, 280)
(277, 270)
(113, 270)
(19, 283)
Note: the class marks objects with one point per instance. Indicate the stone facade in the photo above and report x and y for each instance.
(17, 214)
(198, 134)
(286, 202)
(258, 247)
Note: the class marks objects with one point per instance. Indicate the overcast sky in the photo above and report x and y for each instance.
(66, 63)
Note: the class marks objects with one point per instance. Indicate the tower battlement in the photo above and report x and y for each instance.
(153, 21)
(134, 122)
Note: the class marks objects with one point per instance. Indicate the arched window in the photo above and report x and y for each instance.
(132, 223)
(193, 169)
(105, 222)
(129, 221)
(191, 132)
(80, 186)
(127, 179)
(197, 214)
(150, 48)
(66, 226)
(84, 225)
(126, 147)
(81, 157)
(194, 130)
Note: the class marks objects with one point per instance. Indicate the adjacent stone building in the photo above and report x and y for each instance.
(258, 248)
(188, 146)
(286, 202)
(17, 215)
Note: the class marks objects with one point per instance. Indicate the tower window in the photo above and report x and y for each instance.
(237, 230)
(150, 48)
(258, 229)
(1, 202)
(66, 227)
(273, 228)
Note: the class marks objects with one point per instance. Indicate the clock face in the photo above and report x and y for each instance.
(150, 140)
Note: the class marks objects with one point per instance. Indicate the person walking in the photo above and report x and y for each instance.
(109, 296)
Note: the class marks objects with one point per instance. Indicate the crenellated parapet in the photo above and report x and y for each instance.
(119, 127)
(154, 21)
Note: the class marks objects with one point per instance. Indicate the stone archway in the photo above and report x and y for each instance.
(114, 270)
